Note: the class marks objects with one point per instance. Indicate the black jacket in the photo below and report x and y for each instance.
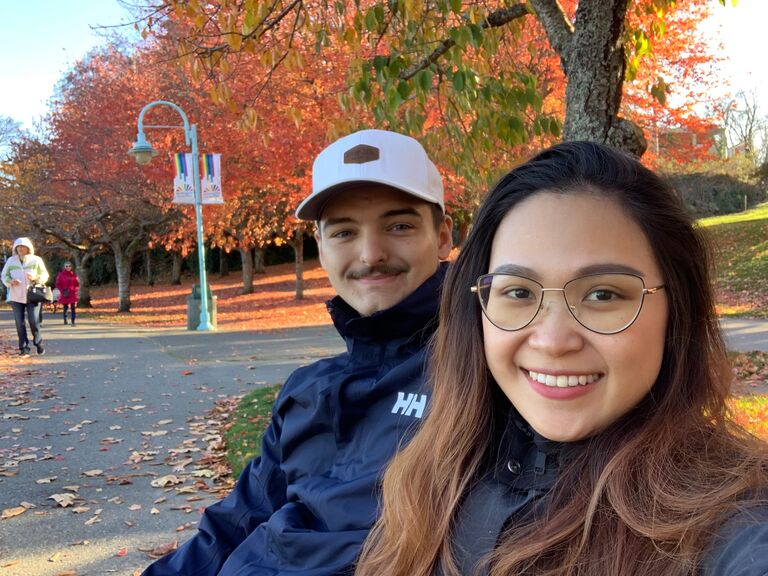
(526, 468)
(305, 506)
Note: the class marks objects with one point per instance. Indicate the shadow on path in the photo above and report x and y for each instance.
(105, 412)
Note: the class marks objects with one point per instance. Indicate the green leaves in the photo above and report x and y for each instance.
(659, 90)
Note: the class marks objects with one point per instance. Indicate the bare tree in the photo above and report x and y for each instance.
(9, 130)
(745, 126)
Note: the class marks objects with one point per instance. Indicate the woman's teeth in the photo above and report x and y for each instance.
(563, 381)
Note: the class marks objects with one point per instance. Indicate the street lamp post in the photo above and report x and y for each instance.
(143, 152)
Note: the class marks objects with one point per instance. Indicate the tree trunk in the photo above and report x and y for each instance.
(176, 269)
(247, 258)
(83, 267)
(298, 250)
(123, 269)
(223, 264)
(148, 267)
(258, 261)
(592, 56)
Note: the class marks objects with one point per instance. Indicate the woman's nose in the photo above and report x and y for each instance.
(554, 330)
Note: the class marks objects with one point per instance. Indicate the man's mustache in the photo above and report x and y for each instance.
(383, 269)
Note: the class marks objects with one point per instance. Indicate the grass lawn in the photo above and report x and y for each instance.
(740, 242)
(246, 426)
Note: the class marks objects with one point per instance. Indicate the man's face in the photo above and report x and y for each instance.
(378, 245)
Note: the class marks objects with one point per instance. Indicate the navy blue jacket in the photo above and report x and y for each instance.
(305, 506)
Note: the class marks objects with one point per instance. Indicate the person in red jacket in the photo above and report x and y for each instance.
(68, 285)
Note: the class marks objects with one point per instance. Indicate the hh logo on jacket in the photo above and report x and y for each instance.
(410, 405)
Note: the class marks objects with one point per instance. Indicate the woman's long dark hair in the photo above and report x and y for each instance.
(645, 495)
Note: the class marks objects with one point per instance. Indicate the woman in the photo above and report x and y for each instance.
(68, 285)
(22, 270)
(578, 422)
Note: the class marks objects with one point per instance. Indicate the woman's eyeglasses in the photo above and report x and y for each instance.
(602, 303)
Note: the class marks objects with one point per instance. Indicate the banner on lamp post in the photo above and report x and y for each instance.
(210, 179)
(183, 185)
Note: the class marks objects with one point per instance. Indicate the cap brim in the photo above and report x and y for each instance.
(312, 207)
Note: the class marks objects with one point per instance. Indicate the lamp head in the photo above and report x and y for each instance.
(142, 150)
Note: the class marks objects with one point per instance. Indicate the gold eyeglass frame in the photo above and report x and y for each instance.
(476, 290)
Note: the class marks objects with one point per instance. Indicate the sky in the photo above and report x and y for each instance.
(41, 39)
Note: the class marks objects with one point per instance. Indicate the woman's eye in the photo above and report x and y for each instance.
(601, 295)
(517, 293)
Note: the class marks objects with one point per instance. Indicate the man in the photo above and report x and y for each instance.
(307, 503)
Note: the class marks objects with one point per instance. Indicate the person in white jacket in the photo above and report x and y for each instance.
(22, 270)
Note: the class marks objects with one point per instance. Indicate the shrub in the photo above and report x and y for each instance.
(708, 194)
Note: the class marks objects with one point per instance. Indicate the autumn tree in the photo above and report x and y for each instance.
(92, 125)
(481, 84)
(405, 51)
(33, 198)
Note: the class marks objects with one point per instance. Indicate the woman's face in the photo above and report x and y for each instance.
(565, 380)
(22, 251)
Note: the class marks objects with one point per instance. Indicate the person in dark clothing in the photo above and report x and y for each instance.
(578, 423)
(305, 505)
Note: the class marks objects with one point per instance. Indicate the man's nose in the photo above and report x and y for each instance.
(373, 249)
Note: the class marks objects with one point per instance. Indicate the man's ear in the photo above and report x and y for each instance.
(445, 238)
(319, 241)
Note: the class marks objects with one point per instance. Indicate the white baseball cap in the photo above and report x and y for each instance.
(376, 156)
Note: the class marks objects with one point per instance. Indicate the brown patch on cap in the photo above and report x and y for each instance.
(361, 154)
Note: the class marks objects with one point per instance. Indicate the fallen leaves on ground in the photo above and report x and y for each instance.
(161, 550)
(272, 305)
(11, 512)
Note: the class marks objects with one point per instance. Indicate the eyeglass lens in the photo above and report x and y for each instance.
(604, 303)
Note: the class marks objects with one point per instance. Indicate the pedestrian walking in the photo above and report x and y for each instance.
(579, 423)
(68, 285)
(21, 271)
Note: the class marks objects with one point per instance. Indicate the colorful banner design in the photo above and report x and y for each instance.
(211, 179)
(183, 187)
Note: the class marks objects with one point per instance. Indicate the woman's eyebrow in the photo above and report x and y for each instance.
(516, 270)
(603, 268)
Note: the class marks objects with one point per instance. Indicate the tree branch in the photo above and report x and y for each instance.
(494, 20)
(557, 27)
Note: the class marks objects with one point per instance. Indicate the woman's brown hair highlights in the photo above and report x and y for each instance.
(643, 497)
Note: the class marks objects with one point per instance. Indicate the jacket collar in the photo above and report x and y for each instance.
(416, 315)
(525, 459)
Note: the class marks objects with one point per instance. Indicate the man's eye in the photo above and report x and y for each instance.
(400, 227)
(341, 234)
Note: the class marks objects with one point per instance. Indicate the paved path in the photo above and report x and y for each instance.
(122, 400)
(745, 335)
(105, 397)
